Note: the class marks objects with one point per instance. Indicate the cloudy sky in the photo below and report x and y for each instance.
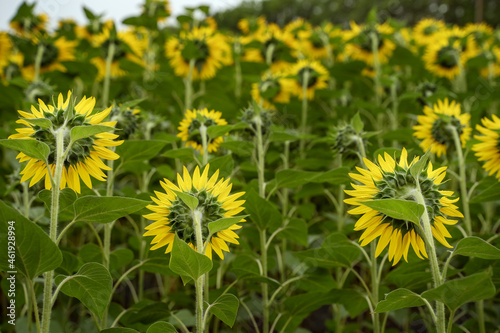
(113, 9)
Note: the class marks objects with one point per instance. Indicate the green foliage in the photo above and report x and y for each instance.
(95, 209)
(31, 148)
(188, 263)
(397, 209)
(399, 299)
(225, 308)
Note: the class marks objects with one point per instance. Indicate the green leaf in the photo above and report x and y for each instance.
(277, 136)
(183, 154)
(120, 258)
(357, 123)
(161, 327)
(455, 293)
(132, 103)
(241, 148)
(92, 285)
(290, 178)
(221, 130)
(191, 201)
(296, 231)
(261, 211)
(304, 304)
(146, 314)
(225, 165)
(224, 223)
(187, 262)
(492, 193)
(119, 330)
(417, 167)
(32, 148)
(66, 199)
(337, 176)
(81, 132)
(399, 299)
(40, 122)
(225, 308)
(35, 252)
(143, 150)
(398, 209)
(94, 209)
(476, 247)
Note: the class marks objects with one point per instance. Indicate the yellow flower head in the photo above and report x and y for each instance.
(425, 30)
(444, 57)
(360, 39)
(272, 88)
(317, 77)
(489, 148)
(172, 216)
(434, 127)
(206, 48)
(83, 158)
(193, 119)
(30, 24)
(391, 180)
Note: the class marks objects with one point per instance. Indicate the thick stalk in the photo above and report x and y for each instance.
(54, 210)
(431, 252)
(197, 218)
(107, 77)
(38, 61)
(462, 180)
(204, 143)
(26, 200)
(262, 233)
(188, 82)
(35, 306)
(303, 123)
(237, 66)
(480, 316)
(375, 287)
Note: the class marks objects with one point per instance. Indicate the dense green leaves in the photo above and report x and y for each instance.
(143, 150)
(455, 293)
(220, 130)
(476, 247)
(225, 308)
(31, 148)
(294, 178)
(187, 262)
(261, 211)
(92, 285)
(105, 209)
(398, 209)
(35, 252)
(66, 199)
(492, 193)
(399, 299)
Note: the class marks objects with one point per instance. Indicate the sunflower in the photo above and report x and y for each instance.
(489, 148)
(205, 46)
(318, 77)
(29, 24)
(127, 46)
(93, 29)
(313, 42)
(192, 122)
(54, 54)
(391, 180)
(272, 88)
(426, 30)
(172, 216)
(5, 49)
(157, 8)
(83, 158)
(434, 126)
(444, 57)
(359, 42)
(492, 55)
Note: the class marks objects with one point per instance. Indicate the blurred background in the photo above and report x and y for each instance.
(229, 12)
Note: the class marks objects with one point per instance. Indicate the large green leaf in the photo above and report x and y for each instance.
(293, 178)
(224, 223)
(455, 293)
(143, 150)
(398, 209)
(161, 327)
(221, 130)
(187, 262)
(261, 211)
(476, 247)
(96, 209)
(119, 330)
(225, 308)
(40, 122)
(35, 252)
(92, 285)
(190, 200)
(296, 231)
(66, 199)
(81, 132)
(492, 193)
(32, 148)
(399, 299)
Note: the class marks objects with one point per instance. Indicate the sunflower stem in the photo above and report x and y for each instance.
(431, 251)
(38, 61)
(54, 210)
(376, 67)
(188, 82)
(462, 179)
(480, 316)
(204, 143)
(107, 77)
(375, 287)
(197, 218)
(237, 67)
(303, 124)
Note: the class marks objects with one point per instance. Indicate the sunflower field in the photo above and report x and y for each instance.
(278, 178)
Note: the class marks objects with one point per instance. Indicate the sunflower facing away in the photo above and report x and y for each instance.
(425, 30)
(444, 57)
(434, 127)
(192, 121)
(391, 180)
(84, 157)
(172, 216)
(489, 148)
(272, 88)
(318, 77)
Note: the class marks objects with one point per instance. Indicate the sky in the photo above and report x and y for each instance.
(113, 9)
